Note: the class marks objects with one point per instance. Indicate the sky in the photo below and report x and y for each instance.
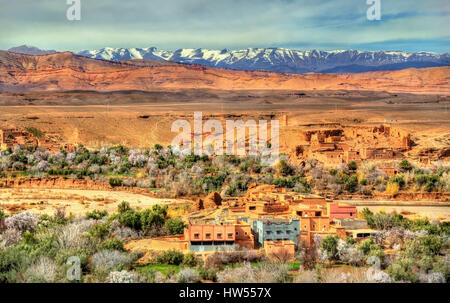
(406, 25)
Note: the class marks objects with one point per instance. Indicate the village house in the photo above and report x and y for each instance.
(275, 229)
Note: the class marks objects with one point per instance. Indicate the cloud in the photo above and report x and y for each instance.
(175, 24)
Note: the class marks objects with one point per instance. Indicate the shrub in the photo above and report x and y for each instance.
(111, 259)
(329, 244)
(349, 253)
(115, 182)
(10, 237)
(402, 270)
(190, 260)
(405, 166)
(285, 169)
(175, 226)
(208, 274)
(112, 244)
(172, 257)
(25, 221)
(72, 236)
(392, 188)
(188, 275)
(43, 270)
(123, 207)
(131, 219)
(99, 230)
(96, 214)
(265, 273)
(352, 165)
(13, 260)
(122, 277)
(351, 183)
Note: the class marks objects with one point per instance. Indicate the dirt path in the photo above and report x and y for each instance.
(430, 209)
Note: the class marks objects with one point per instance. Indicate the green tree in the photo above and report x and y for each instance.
(329, 244)
(175, 226)
(405, 166)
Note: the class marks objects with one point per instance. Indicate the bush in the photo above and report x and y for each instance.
(131, 219)
(329, 244)
(115, 182)
(209, 274)
(188, 275)
(110, 259)
(96, 214)
(352, 165)
(172, 257)
(175, 226)
(13, 260)
(351, 183)
(392, 188)
(122, 277)
(402, 270)
(371, 249)
(285, 169)
(405, 166)
(25, 221)
(44, 270)
(190, 260)
(123, 207)
(112, 244)
(99, 230)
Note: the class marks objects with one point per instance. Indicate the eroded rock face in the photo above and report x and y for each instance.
(213, 200)
(66, 71)
(61, 183)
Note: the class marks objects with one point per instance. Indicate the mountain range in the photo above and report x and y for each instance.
(66, 71)
(271, 59)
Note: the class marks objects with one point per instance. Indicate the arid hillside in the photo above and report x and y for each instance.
(66, 71)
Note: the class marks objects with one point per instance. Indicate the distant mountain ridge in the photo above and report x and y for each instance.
(30, 50)
(66, 71)
(280, 59)
(270, 59)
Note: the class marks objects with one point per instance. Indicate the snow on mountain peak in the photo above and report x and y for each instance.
(280, 59)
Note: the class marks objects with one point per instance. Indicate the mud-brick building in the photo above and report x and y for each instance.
(211, 237)
(338, 210)
(276, 229)
(276, 249)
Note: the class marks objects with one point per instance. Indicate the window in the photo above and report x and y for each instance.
(317, 214)
(278, 232)
(237, 233)
(230, 235)
(208, 236)
(351, 214)
(252, 208)
(288, 232)
(219, 236)
(196, 236)
(245, 233)
(268, 232)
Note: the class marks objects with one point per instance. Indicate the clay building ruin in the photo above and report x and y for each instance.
(353, 143)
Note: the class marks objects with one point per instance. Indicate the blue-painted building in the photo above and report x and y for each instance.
(276, 229)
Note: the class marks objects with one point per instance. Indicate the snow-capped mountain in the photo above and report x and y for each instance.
(280, 59)
(275, 59)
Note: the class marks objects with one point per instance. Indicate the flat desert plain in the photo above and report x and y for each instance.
(142, 119)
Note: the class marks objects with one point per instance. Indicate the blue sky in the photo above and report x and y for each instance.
(408, 25)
